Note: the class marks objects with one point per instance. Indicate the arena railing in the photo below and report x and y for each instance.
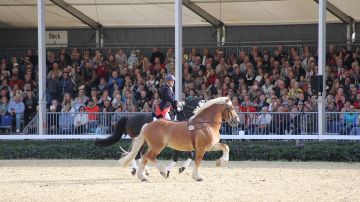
(253, 125)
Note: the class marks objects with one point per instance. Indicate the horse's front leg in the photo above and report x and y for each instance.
(225, 157)
(199, 156)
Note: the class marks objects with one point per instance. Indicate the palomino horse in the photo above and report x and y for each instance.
(200, 133)
(132, 126)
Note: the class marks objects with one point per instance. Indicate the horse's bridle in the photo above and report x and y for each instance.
(230, 115)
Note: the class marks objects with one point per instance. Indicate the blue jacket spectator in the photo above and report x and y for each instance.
(114, 79)
(17, 108)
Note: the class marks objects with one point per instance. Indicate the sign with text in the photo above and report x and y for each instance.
(56, 38)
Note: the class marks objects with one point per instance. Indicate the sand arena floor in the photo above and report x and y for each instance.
(86, 180)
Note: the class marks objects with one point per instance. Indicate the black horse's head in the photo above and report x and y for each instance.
(188, 108)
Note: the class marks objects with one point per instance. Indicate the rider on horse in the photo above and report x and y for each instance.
(167, 101)
(167, 98)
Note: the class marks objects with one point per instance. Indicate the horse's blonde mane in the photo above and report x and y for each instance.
(219, 100)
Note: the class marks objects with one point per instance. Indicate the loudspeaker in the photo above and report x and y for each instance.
(316, 84)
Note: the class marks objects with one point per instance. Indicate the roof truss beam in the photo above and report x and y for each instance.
(338, 13)
(78, 14)
(202, 13)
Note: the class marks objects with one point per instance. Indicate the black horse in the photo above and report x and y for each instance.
(132, 126)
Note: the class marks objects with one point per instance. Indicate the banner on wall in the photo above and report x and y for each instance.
(56, 38)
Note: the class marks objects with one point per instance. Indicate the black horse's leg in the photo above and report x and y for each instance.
(173, 162)
(189, 156)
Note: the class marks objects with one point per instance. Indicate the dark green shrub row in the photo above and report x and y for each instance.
(245, 150)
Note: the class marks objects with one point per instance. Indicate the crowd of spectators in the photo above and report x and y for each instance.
(257, 81)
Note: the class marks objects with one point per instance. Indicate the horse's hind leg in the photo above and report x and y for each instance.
(199, 156)
(151, 155)
(140, 173)
(138, 158)
(225, 157)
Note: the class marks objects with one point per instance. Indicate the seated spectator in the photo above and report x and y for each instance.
(55, 71)
(104, 96)
(114, 79)
(81, 99)
(81, 121)
(4, 105)
(116, 101)
(133, 108)
(67, 99)
(17, 108)
(142, 99)
(102, 86)
(4, 85)
(146, 108)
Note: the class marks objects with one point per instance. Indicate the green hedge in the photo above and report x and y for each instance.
(245, 150)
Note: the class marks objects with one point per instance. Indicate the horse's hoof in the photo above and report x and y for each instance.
(181, 169)
(200, 179)
(147, 173)
(144, 180)
(164, 174)
(167, 174)
(218, 163)
(133, 172)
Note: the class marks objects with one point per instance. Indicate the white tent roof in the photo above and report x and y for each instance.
(143, 13)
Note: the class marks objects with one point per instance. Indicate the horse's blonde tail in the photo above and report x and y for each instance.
(136, 146)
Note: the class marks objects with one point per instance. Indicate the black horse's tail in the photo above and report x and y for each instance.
(120, 129)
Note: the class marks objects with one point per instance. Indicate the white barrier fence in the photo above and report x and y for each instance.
(253, 126)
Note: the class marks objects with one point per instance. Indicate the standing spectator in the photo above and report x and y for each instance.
(30, 107)
(76, 77)
(66, 85)
(53, 86)
(132, 60)
(53, 120)
(66, 119)
(120, 57)
(81, 121)
(156, 54)
(92, 111)
(264, 121)
(17, 108)
(90, 77)
(101, 70)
